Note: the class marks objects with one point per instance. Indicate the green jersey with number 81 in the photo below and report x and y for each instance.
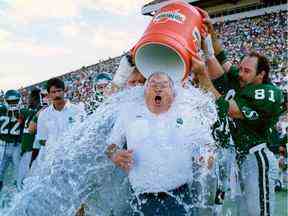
(10, 130)
(260, 104)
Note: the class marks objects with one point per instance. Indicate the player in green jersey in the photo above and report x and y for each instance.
(10, 133)
(254, 106)
(28, 135)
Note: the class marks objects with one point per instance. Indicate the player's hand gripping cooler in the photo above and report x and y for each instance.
(171, 39)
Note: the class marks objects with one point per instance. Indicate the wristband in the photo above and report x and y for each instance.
(209, 45)
(222, 57)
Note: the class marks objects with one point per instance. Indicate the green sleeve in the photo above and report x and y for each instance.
(25, 112)
(228, 81)
(220, 131)
(34, 119)
(222, 107)
(222, 57)
(233, 74)
(222, 84)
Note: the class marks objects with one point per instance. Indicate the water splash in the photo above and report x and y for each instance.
(75, 170)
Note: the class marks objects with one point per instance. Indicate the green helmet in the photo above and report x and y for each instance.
(12, 99)
(103, 78)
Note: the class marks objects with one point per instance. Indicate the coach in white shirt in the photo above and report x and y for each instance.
(59, 117)
(160, 146)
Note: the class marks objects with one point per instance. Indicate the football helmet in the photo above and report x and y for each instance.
(12, 99)
(102, 80)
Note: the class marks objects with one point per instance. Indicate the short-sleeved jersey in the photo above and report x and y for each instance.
(228, 84)
(260, 104)
(28, 138)
(10, 128)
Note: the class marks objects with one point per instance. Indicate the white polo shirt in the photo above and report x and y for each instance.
(162, 146)
(52, 123)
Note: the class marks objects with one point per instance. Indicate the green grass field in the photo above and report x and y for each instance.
(281, 208)
(282, 203)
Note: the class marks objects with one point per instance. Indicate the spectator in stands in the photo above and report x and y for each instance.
(266, 34)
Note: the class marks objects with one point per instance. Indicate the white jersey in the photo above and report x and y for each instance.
(162, 146)
(52, 123)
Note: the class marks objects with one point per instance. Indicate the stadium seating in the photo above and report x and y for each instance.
(266, 34)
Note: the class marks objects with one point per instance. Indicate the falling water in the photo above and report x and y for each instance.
(74, 170)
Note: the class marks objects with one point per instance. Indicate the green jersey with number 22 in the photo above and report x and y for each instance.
(10, 130)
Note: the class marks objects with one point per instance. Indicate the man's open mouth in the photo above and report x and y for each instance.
(158, 99)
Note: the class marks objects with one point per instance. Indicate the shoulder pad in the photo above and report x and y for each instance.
(3, 107)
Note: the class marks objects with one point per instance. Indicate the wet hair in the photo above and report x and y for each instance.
(262, 65)
(171, 83)
(56, 82)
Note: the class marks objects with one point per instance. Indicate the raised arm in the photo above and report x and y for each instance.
(216, 57)
(198, 68)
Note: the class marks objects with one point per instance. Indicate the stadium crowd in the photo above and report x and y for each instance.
(266, 34)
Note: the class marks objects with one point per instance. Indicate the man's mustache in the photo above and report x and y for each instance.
(58, 98)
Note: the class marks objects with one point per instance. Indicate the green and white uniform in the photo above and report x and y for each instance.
(261, 106)
(26, 146)
(10, 135)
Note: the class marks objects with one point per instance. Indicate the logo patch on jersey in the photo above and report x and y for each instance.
(179, 122)
(71, 120)
(249, 113)
(230, 94)
(165, 16)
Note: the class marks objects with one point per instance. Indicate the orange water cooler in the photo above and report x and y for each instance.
(169, 42)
